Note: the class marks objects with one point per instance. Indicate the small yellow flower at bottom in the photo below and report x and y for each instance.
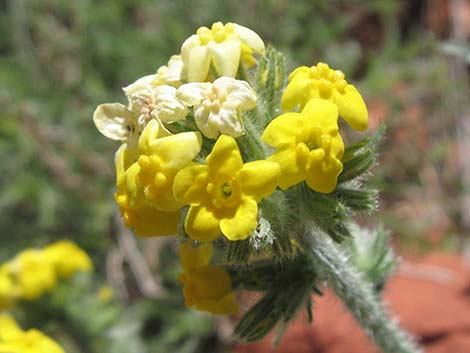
(206, 287)
(309, 146)
(224, 194)
(14, 340)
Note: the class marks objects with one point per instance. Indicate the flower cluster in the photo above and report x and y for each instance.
(15, 340)
(196, 153)
(34, 272)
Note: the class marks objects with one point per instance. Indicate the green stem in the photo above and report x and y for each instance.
(358, 295)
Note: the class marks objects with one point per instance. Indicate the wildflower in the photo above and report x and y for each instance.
(218, 106)
(137, 213)
(309, 146)
(224, 194)
(67, 258)
(14, 340)
(322, 82)
(169, 74)
(32, 273)
(146, 103)
(223, 46)
(206, 287)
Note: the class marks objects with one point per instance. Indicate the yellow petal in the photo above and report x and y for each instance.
(195, 257)
(225, 158)
(243, 222)
(190, 184)
(352, 108)
(283, 130)
(297, 90)
(259, 179)
(322, 113)
(177, 151)
(322, 176)
(226, 57)
(113, 120)
(150, 222)
(201, 224)
(212, 282)
(290, 172)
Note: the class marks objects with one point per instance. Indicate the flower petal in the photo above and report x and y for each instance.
(321, 113)
(201, 225)
(141, 84)
(250, 38)
(189, 185)
(322, 176)
(177, 151)
(193, 93)
(150, 222)
(297, 89)
(114, 120)
(283, 130)
(167, 107)
(226, 56)
(225, 158)
(226, 121)
(238, 93)
(192, 257)
(197, 66)
(290, 172)
(352, 108)
(243, 222)
(259, 179)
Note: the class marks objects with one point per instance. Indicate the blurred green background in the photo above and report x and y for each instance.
(59, 59)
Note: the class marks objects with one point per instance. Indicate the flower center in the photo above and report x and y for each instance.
(224, 194)
(327, 80)
(218, 33)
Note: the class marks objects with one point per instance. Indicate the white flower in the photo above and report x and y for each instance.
(118, 122)
(218, 106)
(170, 74)
(223, 46)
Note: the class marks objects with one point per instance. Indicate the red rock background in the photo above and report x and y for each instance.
(430, 296)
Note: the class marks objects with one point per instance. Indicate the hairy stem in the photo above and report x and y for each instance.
(358, 295)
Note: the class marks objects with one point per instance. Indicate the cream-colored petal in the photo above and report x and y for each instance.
(226, 56)
(352, 108)
(167, 107)
(243, 222)
(114, 120)
(250, 38)
(197, 66)
(193, 93)
(201, 225)
(238, 93)
(142, 83)
(283, 130)
(225, 121)
(259, 179)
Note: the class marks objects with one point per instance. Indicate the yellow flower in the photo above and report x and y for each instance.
(206, 287)
(32, 273)
(223, 46)
(137, 213)
(309, 146)
(159, 161)
(14, 340)
(8, 290)
(322, 82)
(224, 194)
(67, 258)
(218, 106)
